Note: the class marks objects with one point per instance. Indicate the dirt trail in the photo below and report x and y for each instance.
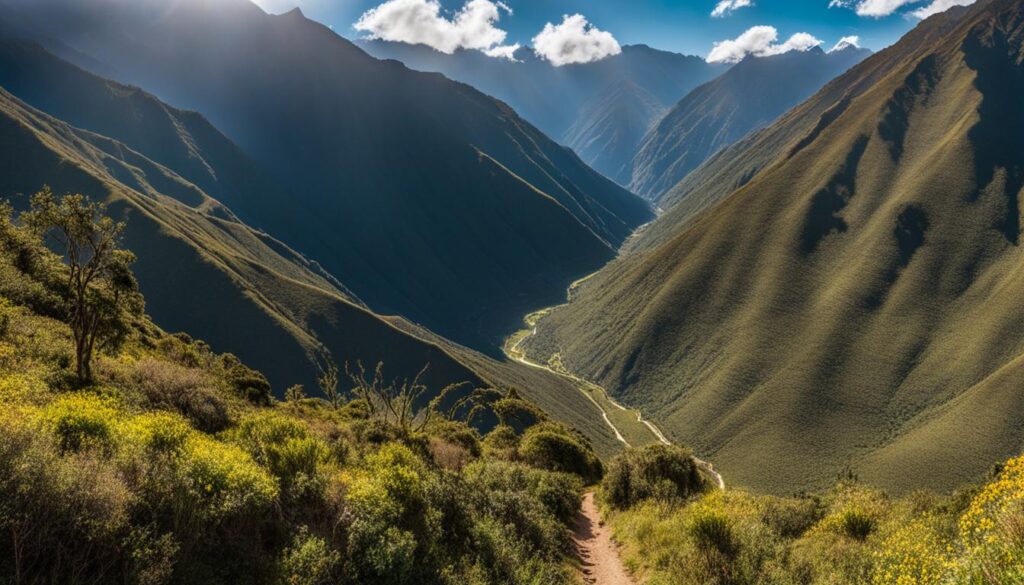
(599, 556)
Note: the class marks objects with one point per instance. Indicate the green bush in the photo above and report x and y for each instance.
(501, 443)
(309, 561)
(655, 471)
(246, 382)
(553, 447)
(81, 421)
(557, 492)
(857, 524)
(190, 391)
(713, 531)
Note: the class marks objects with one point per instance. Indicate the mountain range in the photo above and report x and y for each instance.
(600, 109)
(425, 197)
(840, 292)
(748, 97)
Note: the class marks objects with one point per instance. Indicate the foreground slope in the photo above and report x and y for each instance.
(392, 172)
(749, 96)
(858, 304)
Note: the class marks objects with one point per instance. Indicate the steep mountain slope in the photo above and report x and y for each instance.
(609, 128)
(858, 303)
(747, 97)
(736, 165)
(424, 196)
(582, 105)
(204, 271)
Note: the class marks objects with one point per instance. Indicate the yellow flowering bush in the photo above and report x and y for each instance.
(992, 529)
(81, 420)
(914, 553)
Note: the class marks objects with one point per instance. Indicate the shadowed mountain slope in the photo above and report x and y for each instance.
(609, 128)
(204, 271)
(599, 109)
(749, 96)
(859, 303)
(424, 196)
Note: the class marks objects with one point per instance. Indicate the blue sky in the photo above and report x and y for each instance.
(684, 26)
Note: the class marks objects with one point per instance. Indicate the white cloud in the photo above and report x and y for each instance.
(845, 43)
(574, 41)
(938, 6)
(726, 7)
(759, 41)
(421, 22)
(882, 8)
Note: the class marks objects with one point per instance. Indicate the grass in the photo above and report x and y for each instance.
(848, 534)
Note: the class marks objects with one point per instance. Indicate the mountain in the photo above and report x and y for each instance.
(201, 268)
(617, 98)
(425, 197)
(856, 305)
(749, 96)
(609, 128)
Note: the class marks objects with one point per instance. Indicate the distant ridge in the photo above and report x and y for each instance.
(747, 97)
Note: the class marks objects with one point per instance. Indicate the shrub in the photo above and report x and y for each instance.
(81, 421)
(189, 391)
(557, 492)
(386, 498)
(713, 531)
(501, 443)
(654, 471)
(309, 561)
(157, 433)
(553, 447)
(222, 480)
(246, 382)
(857, 524)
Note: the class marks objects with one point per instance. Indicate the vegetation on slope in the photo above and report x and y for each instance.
(848, 535)
(175, 465)
(746, 98)
(857, 303)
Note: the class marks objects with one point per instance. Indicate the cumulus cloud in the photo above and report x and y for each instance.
(938, 6)
(846, 43)
(574, 41)
(882, 8)
(726, 7)
(759, 41)
(422, 22)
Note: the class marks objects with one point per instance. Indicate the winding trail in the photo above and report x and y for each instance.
(599, 556)
(514, 352)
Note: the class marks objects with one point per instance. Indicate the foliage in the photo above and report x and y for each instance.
(552, 446)
(174, 465)
(656, 471)
(849, 535)
(102, 291)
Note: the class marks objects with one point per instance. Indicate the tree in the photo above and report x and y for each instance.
(101, 288)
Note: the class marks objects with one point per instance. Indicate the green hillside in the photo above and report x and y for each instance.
(857, 304)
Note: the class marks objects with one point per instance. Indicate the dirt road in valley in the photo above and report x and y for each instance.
(599, 556)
